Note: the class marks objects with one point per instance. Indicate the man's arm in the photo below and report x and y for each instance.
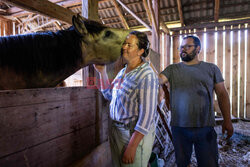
(224, 104)
(162, 79)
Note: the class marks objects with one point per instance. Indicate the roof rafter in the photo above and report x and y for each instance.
(134, 15)
(180, 12)
(124, 22)
(44, 7)
(216, 10)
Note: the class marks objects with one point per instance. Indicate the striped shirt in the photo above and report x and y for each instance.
(133, 97)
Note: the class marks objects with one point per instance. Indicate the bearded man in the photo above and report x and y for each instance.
(192, 84)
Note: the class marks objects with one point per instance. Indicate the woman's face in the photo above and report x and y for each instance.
(130, 50)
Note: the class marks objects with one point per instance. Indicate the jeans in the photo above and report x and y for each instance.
(204, 140)
(119, 136)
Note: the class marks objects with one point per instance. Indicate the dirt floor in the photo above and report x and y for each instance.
(234, 152)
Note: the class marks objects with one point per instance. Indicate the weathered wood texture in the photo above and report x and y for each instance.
(99, 157)
(44, 7)
(176, 53)
(49, 127)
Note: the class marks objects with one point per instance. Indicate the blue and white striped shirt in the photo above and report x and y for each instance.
(133, 96)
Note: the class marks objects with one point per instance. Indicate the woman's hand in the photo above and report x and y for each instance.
(129, 155)
(100, 68)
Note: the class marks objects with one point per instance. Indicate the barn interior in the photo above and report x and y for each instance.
(68, 126)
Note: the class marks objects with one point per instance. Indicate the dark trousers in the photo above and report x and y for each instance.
(205, 145)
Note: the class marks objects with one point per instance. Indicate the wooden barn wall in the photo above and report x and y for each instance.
(51, 126)
(6, 27)
(230, 50)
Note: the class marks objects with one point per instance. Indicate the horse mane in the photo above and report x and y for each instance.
(45, 51)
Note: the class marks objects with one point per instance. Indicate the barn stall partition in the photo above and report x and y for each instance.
(53, 127)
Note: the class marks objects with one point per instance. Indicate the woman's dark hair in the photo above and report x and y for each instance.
(143, 42)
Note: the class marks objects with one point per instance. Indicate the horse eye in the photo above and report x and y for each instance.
(107, 34)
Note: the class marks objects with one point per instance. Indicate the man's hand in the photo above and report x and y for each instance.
(227, 126)
(129, 155)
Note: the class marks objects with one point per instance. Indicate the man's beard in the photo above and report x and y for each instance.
(187, 57)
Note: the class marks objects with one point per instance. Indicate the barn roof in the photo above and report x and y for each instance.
(179, 13)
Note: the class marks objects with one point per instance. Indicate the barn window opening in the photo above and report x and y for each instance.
(224, 52)
(239, 73)
(245, 73)
(171, 48)
(231, 69)
(162, 51)
(215, 56)
(205, 44)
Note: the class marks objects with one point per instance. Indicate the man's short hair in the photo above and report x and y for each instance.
(196, 39)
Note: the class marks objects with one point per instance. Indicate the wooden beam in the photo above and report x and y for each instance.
(154, 24)
(44, 7)
(164, 27)
(216, 10)
(124, 22)
(134, 15)
(212, 25)
(57, 25)
(149, 14)
(180, 12)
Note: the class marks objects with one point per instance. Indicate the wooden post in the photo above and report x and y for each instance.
(155, 26)
(90, 11)
(167, 50)
(176, 44)
(201, 54)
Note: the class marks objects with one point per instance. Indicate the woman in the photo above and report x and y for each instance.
(133, 95)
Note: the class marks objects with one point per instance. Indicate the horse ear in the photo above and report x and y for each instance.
(78, 23)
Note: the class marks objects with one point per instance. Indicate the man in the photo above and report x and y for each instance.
(191, 98)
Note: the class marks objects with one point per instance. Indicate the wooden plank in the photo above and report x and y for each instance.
(220, 65)
(201, 54)
(2, 27)
(176, 44)
(27, 97)
(210, 48)
(228, 67)
(60, 151)
(98, 157)
(38, 123)
(180, 12)
(216, 10)
(220, 51)
(167, 50)
(242, 72)
(248, 77)
(235, 74)
(44, 7)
